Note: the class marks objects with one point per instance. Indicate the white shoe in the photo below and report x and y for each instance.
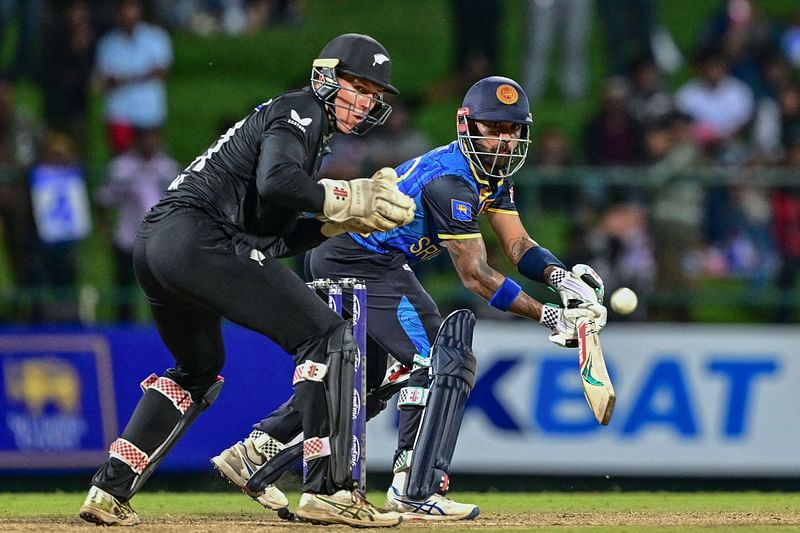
(344, 507)
(435, 507)
(238, 463)
(103, 509)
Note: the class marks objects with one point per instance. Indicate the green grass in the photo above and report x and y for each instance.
(583, 512)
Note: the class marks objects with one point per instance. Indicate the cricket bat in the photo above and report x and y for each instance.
(597, 387)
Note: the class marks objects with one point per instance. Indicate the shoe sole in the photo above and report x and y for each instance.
(411, 516)
(234, 478)
(282, 509)
(323, 519)
(229, 473)
(101, 518)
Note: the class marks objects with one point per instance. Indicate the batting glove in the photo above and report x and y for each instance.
(580, 285)
(562, 322)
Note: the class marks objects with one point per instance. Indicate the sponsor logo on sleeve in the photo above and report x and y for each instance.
(298, 122)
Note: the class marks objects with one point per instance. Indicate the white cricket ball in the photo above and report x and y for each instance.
(624, 301)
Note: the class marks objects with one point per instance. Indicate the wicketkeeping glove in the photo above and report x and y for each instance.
(365, 204)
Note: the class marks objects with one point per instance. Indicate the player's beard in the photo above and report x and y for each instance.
(495, 161)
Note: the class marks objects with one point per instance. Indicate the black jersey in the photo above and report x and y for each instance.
(260, 174)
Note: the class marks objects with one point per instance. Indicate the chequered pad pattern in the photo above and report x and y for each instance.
(181, 399)
(316, 447)
(127, 452)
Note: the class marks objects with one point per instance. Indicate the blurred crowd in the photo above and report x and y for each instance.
(699, 147)
(734, 117)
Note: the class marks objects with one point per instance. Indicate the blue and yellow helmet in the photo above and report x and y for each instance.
(494, 99)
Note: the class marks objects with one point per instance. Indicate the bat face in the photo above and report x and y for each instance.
(597, 387)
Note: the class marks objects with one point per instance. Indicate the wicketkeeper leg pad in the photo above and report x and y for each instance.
(342, 355)
(453, 376)
(161, 417)
(337, 377)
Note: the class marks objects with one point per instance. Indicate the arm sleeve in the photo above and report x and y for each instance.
(452, 207)
(286, 149)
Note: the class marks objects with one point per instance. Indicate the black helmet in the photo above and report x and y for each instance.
(495, 99)
(360, 56)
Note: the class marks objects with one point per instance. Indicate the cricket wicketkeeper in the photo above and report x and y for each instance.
(206, 251)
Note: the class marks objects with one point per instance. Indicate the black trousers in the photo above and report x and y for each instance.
(195, 271)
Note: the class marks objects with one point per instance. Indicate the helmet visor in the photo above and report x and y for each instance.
(326, 86)
(495, 156)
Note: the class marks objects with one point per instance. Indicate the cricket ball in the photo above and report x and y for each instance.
(624, 301)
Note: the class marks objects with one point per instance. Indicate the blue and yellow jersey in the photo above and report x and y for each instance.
(449, 193)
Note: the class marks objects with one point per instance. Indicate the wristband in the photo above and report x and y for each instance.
(505, 294)
(549, 317)
(535, 260)
(557, 275)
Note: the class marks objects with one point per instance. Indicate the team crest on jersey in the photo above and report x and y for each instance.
(507, 94)
(301, 123)
(461, 210)
(379, 59)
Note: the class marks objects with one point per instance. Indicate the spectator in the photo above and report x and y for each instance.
(20, 141)
(133, 60)
(136, 180)
(786, 231)
(206, 17)
(612, 136)
(66, 69)
(476, 41)
(628, 26)
(61, 211)
(790, 40)
(649, 101)
(622, 252)
(789, 105)
(546, 20)
(742, 35)
(768, 127)
(551, 158)
(676, 212)
(720, 104)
